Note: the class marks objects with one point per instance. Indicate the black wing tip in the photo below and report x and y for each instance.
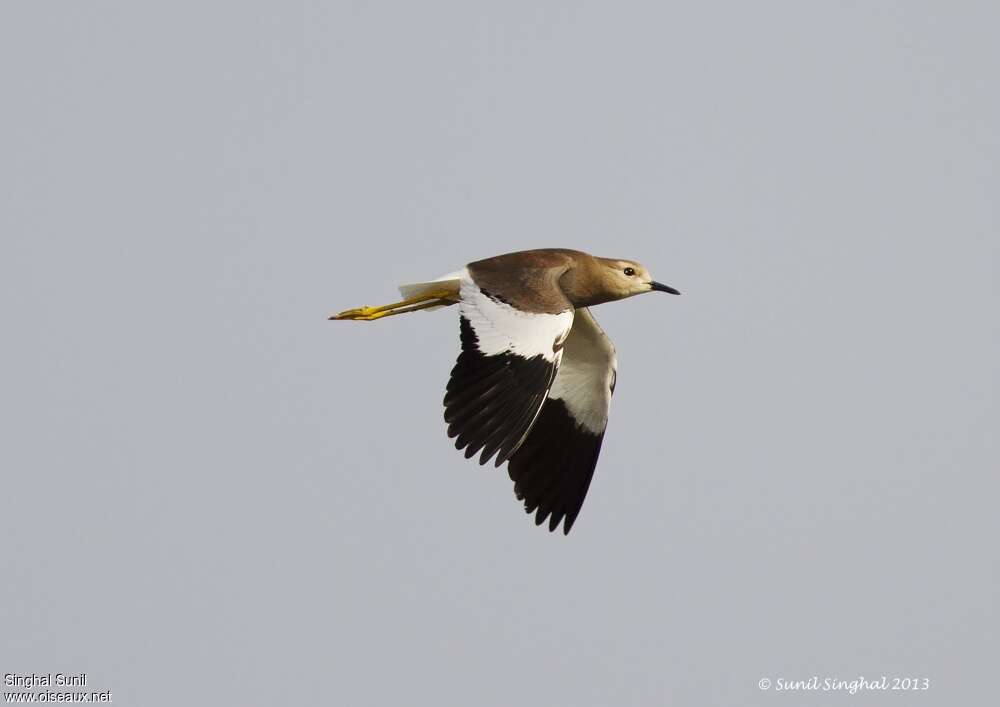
(492, 400)
(554, 519)
(553, 469)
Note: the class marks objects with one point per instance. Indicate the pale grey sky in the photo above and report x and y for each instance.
(215, 496)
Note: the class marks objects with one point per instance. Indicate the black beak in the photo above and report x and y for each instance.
(660, 287)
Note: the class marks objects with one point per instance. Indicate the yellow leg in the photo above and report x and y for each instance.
(421, 301)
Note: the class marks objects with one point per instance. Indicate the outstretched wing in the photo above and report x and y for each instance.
(553, 468)
(508, 362)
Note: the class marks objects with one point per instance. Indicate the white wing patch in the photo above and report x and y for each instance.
(501, 328)
(586, 373)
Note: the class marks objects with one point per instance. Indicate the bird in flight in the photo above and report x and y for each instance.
(533, 383)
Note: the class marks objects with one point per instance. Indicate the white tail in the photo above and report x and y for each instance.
(449, 283)
(444, 291)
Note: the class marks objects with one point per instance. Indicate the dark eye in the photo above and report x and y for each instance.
(629, 271)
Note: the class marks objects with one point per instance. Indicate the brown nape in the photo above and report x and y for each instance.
(592, 281)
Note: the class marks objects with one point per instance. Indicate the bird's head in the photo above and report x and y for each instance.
(627, 278)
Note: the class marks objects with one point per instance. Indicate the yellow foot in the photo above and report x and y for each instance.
(423, 301)
(363, 314)
(357, 313)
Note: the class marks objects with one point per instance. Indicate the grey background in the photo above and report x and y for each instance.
(211, 495)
